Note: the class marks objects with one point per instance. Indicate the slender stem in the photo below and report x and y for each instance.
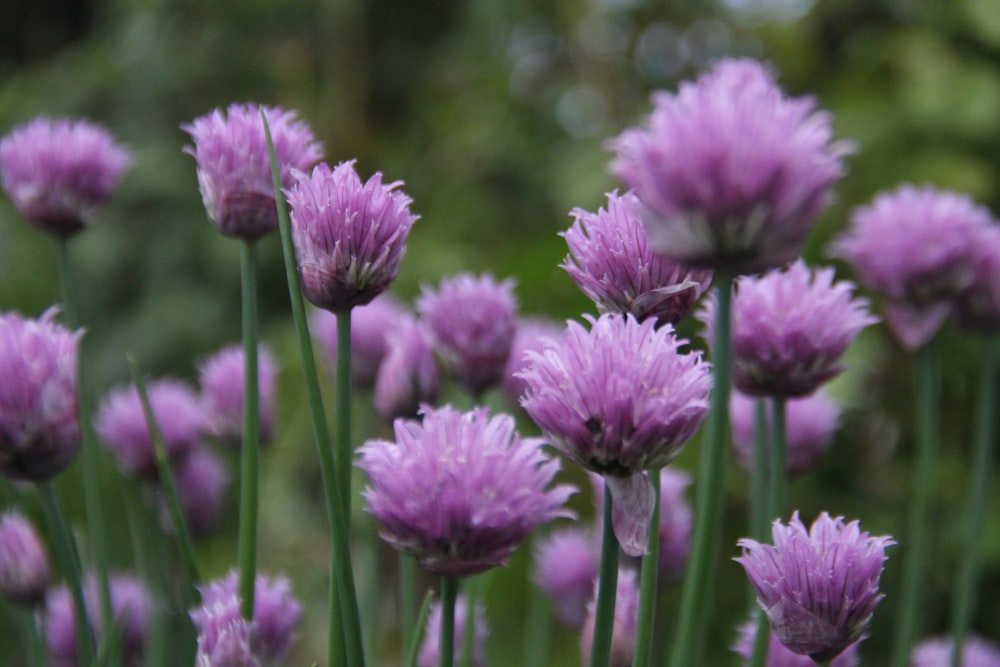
(36, 648)
(760, 642)
(759, 483)
(446, 642)
(475, 590)
(647, 583)
(915, 566)
(407, 596)
(607, 590)
(711, 489)
(342, 448)
(823, 663)
(537, 629)
(970, 568)
(413, 645)
(777, 496)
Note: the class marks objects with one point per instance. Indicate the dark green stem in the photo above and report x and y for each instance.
(342, 449)
(407, 596)
(777, 496)
(648, 583)
(537, 629)
(607, 590)
(446, 642)
(760, 642)
(413, 645)
(475, 590)
(823, 663)
(759, 479)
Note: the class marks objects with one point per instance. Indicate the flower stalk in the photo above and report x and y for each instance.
(607, 587)
(446, 645)
(648, 583)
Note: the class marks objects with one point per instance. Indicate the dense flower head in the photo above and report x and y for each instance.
(39, 420)
(202, 481)
(460, 491)
(731, 172)
(349, 236)
(531, 334)
(565, 569)
(234, 168)
(24, 568)
(976, 652)
(430, 649)
(819, 588)
(121, 424)
(789, 329)
(977, 307)
(370, 326)
(408, 376)
(779, 656)
(625, 623)
(611, 261)
(473, 321)
(60, 172)
(226, 639)
(221, 379)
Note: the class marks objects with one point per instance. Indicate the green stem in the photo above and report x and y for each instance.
(711, 490)
(413, 645)
(342, 448)
(36, 648)
(823, 663)
(538, 628)
(777, 496)
(647, 583)
(407, 596)
(607, 590)
(915, 566)
(446, 642)
(760, 642)
(759, 483)
(970, 568)
(475, 590)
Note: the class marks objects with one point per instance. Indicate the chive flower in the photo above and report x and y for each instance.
(202, 481)
(976, 652)
(221, 379)
(779, 656)
(565, 569)
(530, 334)
(25, 574)
(408, 376)
(977, 307)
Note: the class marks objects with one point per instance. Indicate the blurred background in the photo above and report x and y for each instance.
(494, 113)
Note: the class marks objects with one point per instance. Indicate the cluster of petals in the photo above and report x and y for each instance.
(349, 236)
(430, 649)
(408, 376)
(731, 172)
(779, 656)
(60, 172)
(625, 624)
(565, 569)
(790, 327)
(221, 377)
(818, 587)
(531, 334)
(202, 481)
(25, 574)
(234, 169)
(611, 261)
(460, 491)
(937, 652)
(370, 326)
(39, 417)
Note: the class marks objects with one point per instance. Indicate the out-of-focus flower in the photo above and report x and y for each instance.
(611, 261)
(565, 570)
(460, 491)
(779, 656)
(473, 322)
(225, 638)
(976, 652)
(60, 172)
(675, 524)
(221, 379)
(430, 649)
(201, 480)
(789, 329)
(39, 420)
(409, 375)
(626, 621)
(349, 236)
(531, 334)
(978, 306)
(810, 423)
(234, 169)
(121, 424)
(819, 588)
(731, 173)
(24, 568)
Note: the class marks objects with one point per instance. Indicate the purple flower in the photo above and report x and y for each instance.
(913, 246)
(565, 570)
(349, 236)
(24, 568)
(810, 423)
(731, 173)
(39, 421)
(675, 524)
(460, 491)
(779, 656)
(611, 261)
(221, 378)
(60, 172)
(531, 334)
(978, 306)
(976, 652)
(201, 480)
(819, 588)
(121, 424)
(370, 326)
(234, 169)
(408, 376)
(789, 329)
(625, 624)
(430, 649)
(472, 321)
(226, 639)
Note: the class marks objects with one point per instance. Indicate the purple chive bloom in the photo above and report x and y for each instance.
(810, 423)
(39, 420)
(675, 524)
(370, 326)
(819, 588)
(24, 568)
(789, 329)
(977, 307)
(460, 491)
(976, 652)
(226, 639)
(60, 173)
(531, 334)
(349, 236)
(625, 625)
(430, 649)
(234, 168)
(473, 322)
(565, 570)
(121, 424)
(611, 261)
(779, 656)
(731, 173)
(202, 481)
(221, 379)
(131, 606)
(914, 247)
(409, 375)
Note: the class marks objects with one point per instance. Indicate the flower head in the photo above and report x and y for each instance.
(221, 378)
(234, 169)
(779, 656)
(565, 570)
(430, 649)
(472, 321)
(460, 491)
(625, 624)
(39, 421)
(349, 236)
(730, 172)
(24, 568)
(408, 376)
(819, 588)
(202, 481)
(978, 306)
(60, 172)
(611, 261)
(531, 334)
(976, 652)
(789, 329)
